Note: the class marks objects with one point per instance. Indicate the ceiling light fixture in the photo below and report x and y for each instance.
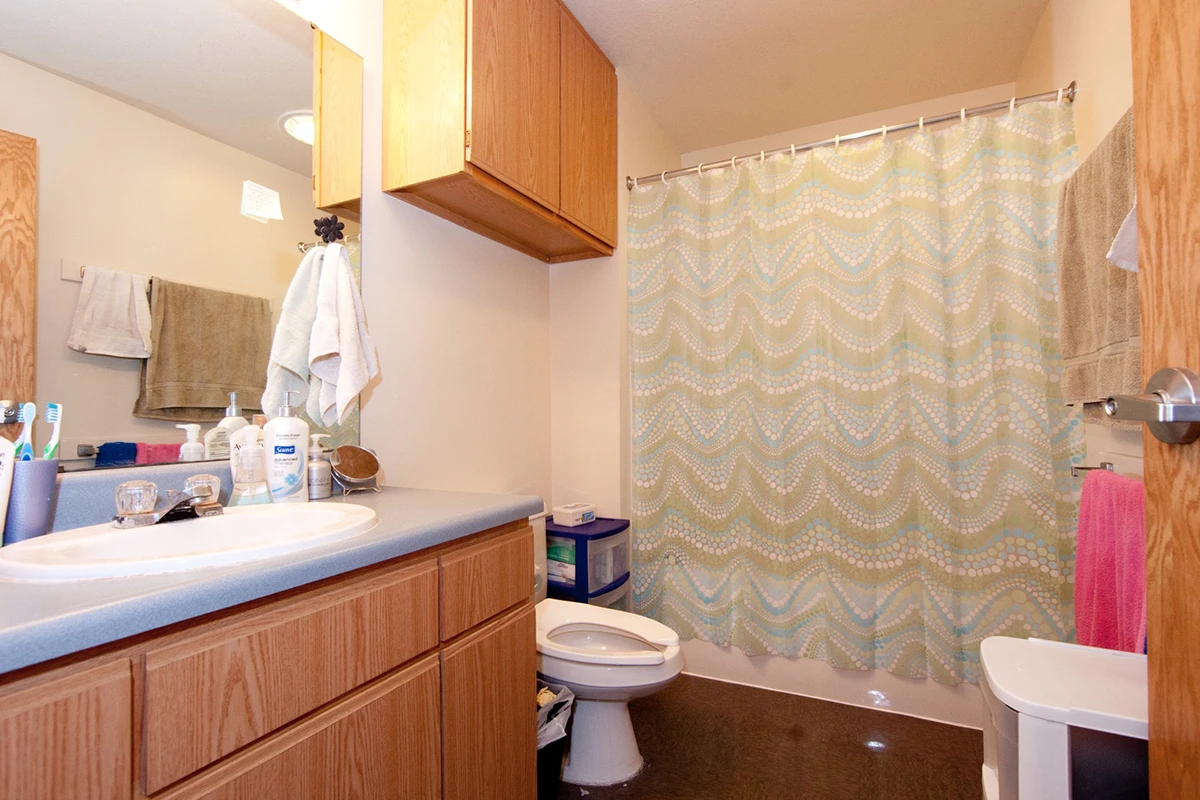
(298, 125)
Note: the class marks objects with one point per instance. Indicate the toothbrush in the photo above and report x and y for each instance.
(53, 414)
(26, 414)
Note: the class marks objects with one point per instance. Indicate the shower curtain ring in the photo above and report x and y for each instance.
(793, 150)
(962, 115)
(1012, 105)
(733, 163)
(883, 131)
(663, 177)
(837, 141)
(921, 125)
(699, 170)
(1060, 94)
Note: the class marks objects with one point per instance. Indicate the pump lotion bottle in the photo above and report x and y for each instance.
(285, 439)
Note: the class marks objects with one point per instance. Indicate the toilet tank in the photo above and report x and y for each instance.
(999, 746)
(538, 521)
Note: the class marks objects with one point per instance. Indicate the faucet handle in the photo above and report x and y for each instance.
(210, 481)
(136, 497)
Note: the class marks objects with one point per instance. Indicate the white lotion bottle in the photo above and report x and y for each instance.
(8, 457)
(192, 449)
(218, 440)
(320, 473)
(285, 438)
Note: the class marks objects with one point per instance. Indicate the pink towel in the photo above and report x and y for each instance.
(157, 453)
(1110, 563)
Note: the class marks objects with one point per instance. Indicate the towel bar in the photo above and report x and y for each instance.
(1105, 465)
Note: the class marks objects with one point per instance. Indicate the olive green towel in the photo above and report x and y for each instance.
(206, 344)
(1099, 320)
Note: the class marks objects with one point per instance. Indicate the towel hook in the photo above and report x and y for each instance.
(328, 229)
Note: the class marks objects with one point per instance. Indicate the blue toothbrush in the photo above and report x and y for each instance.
(27, 413)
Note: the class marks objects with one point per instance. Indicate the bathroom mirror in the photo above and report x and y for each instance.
(174, 143)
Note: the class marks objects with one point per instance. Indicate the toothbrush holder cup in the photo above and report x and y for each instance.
(31, 503)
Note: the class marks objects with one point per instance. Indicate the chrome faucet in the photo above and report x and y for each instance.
(193, 502)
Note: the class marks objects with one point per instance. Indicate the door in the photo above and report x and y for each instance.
(70, 737)
(18, 271)
(489, 718)
(512, 113)
(1166, 89)
(589, 134)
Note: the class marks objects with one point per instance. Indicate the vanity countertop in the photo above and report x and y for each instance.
(42, 621)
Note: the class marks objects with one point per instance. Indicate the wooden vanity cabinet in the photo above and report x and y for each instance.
(68, 736)
(372, 685)
(500, 116)
(337, 127)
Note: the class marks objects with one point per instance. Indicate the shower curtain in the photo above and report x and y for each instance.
(848, 437)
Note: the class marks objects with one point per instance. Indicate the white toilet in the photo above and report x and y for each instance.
(607, 658)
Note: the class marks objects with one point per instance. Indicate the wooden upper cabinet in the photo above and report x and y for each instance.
(588, 194)
(513, 122)
(474, 129)
(337, 126)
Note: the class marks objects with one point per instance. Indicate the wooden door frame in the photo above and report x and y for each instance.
(1166, 90)
(18, 271)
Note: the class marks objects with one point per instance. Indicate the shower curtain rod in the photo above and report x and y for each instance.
(1067, 93)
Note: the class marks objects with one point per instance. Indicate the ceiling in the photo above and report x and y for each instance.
(720, 71)
(224, 68)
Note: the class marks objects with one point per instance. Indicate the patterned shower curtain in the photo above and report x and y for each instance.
(848, 437)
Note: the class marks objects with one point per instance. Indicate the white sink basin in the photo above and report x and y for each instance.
(246, 533)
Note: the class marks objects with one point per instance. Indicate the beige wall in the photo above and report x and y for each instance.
(121, 188)
(462, 323)
(589, 363)
(1089, 41)
(863, 122)
(1086, 41)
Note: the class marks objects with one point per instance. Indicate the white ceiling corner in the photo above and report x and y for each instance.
(223, 68)
(722, 71)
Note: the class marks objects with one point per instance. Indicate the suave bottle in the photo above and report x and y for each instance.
(285, 439)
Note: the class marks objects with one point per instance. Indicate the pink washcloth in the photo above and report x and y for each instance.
(157, 453)
(1110, 563)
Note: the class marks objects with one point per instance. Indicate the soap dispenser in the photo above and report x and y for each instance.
(320, 473)
(191, 450)
(284, 440)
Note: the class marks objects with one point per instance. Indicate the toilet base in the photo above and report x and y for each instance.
(604, 749)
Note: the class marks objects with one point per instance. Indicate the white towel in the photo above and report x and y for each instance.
(287, 371)
(341, 355)
(112, 317)
(1123, 252)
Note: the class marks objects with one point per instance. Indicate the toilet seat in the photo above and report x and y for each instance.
(587, 634)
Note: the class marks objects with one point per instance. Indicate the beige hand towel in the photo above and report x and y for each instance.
(207, 343)
(341, 355)
(1099, 321)
(112, 317)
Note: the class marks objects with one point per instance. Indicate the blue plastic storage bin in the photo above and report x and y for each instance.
(587, 561)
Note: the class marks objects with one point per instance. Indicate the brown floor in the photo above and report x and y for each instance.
(707, 740)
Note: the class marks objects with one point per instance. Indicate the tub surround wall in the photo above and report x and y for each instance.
(1090, 41)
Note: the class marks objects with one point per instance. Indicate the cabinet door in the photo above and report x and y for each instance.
(380, 743)
(489, 718)
(71, 737)
(512, 66)
(337, 125)
(589, 134)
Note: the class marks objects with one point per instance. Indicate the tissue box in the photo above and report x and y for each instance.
(574, 514)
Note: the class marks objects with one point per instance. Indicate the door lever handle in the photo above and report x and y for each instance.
(1170, 407)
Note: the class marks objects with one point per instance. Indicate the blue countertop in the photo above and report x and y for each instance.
(42, 621)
